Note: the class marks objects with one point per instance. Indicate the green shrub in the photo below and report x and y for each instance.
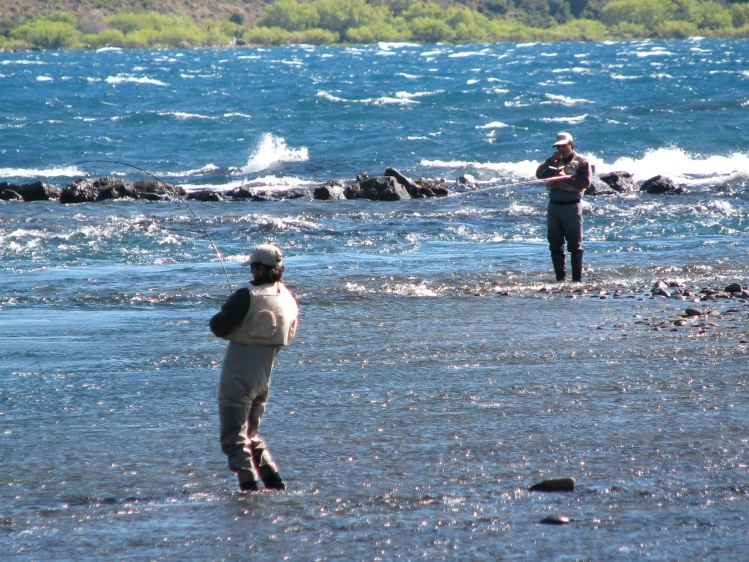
(266, 36)
(12, 45)
(290, 15)
(141, 39)
(502, 30)
(739, 15)
(339, 15)
(106, 38)
(46, 34)
(578, 30)
(220, 29)
(315, 36)
(677, 30)
(648, 13)
(470, 33)
(629, 31)
(423, 10)
(373, 33)
(431, 30)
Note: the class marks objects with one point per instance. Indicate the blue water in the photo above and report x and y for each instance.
(438, 372)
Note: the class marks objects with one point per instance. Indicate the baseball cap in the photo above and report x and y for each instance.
(563, 138)
(266, 254)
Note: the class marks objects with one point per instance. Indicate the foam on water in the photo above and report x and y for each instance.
(273, 151)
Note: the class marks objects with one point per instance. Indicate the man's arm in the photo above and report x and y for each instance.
(231, 314)
(549, 168)
(582, 178)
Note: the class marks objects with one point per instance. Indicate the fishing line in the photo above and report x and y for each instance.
(496, 185)
(196, 217)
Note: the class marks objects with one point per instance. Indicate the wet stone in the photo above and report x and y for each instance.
(555, 520)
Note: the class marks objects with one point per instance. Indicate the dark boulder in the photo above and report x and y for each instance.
(206, 196)
(621, 182)
(554, 485)
(411, 187)
(101, 189)
(378, 188)
(734, 288)
(598, 187)
(298, 194)
(36, 191)
(158, 190)
(555, 520)
(466, 180)
(431, 188)
(331, 191)
(418, 188)
(262, 197)
(8, 193)
(239, 193)
(353, 191)
(661, 185)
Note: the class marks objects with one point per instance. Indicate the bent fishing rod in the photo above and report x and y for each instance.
(200, 222)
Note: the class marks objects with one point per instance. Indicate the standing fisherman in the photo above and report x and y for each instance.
(568, 176)
(257, 320)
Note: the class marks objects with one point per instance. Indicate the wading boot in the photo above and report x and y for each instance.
(247, 480)
(265, 465)
(558, 261)
(577, 266)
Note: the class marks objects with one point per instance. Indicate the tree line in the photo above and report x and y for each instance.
(330, 22)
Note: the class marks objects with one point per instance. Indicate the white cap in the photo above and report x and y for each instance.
(266, 254)
(563, 138)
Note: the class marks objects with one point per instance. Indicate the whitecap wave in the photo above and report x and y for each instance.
(488, 171)
(207, 169)
(566, 120)
(183, 115)
(273, 151)
(493, 125)
(35, 174)
(400, 98)
(566, 100)
(681, 166)
(134, 79)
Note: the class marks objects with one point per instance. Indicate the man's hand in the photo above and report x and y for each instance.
(559, 178)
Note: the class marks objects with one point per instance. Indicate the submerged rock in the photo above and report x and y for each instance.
(555, 520)
(554, 485)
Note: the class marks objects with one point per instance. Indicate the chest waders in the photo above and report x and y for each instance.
(565, 224)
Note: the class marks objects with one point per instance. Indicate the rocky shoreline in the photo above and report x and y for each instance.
(720, 311)
(391, 186)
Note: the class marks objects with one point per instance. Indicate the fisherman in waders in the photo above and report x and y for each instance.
(257, 320)
(568, 176)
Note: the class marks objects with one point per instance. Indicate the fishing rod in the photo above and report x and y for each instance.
(502, 184)
(200, 222)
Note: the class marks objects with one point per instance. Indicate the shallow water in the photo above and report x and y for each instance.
(409, 416)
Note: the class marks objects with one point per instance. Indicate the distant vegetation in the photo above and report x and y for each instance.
(327, 22)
